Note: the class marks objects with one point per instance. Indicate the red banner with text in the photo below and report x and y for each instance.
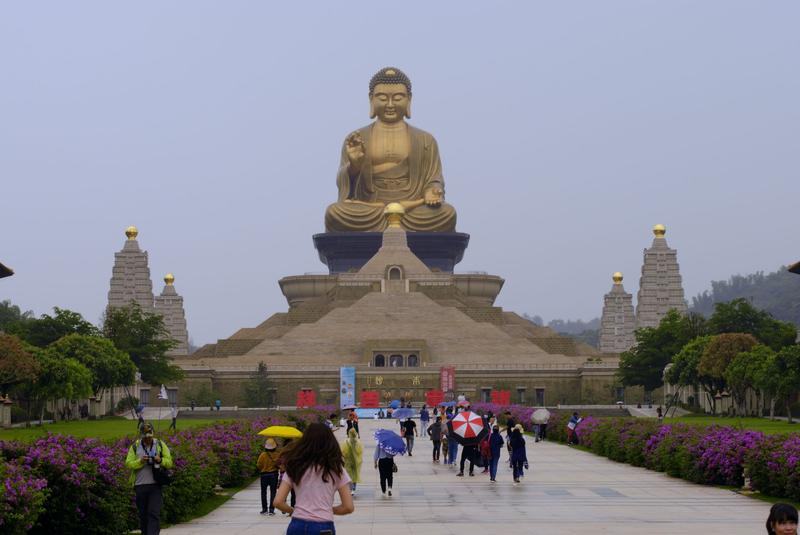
(501, 397)
(447, 378)
(306, 398)
(369, 399)
(433, 397)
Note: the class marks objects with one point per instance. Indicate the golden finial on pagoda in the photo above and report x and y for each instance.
(394, 213)
(131, 232)
(617, 277)
(169, 278)
(659, 230)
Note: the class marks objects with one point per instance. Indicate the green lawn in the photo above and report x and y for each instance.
(756, 424)
(107, 428)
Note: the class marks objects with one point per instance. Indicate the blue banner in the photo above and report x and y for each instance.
(347, 386)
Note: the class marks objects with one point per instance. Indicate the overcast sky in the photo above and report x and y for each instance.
(567, 130)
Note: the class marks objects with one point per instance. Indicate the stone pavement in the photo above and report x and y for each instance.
(567, 491)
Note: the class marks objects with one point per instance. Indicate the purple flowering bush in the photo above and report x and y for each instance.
(61, 484)
(713, 455)
(21, 498)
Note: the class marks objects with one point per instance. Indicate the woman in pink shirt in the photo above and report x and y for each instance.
(315, 471)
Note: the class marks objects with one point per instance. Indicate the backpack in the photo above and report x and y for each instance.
(485, 448)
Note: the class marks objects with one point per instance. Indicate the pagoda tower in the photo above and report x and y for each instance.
(618, 320)
(660, 287)
(130, 278)
(170, 305)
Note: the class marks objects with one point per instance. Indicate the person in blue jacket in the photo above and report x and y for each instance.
(496, 444)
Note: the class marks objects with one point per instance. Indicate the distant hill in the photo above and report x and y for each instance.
(778, 293)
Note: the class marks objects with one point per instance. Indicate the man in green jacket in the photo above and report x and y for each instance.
(144, 455)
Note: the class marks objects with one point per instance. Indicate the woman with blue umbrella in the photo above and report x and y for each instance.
(388, 445)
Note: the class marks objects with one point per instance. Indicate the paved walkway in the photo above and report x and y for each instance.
(566, 492)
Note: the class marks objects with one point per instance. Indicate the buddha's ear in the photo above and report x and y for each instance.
(372, 113)
(408, 108)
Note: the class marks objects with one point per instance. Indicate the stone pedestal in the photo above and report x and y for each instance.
(346, 252)
(5, 413)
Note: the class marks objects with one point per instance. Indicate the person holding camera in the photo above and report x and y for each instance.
(146, 457)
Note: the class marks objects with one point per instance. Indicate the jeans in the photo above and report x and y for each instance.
(437, 446)
(269, 480)
(385, 466)
(148, 503)
(423, 428)
(452, 451)
(493, 465)
(409, 443)
(298, 526)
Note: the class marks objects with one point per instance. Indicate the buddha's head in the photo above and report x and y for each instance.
(390, 95)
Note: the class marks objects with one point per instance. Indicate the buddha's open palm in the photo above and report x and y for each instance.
(354, 145)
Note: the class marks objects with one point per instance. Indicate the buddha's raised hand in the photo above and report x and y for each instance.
(354, 145)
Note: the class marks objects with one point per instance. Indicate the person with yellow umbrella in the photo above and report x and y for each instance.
(269, 463)
(352, 451)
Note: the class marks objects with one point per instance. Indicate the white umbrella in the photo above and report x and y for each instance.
(540, 416)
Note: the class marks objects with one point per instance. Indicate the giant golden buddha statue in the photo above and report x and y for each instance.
(390, 161)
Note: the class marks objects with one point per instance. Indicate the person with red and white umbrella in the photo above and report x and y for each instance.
(468, 429)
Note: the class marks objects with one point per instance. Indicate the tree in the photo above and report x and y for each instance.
(17, 364)
(743, 372)
(144, 337)
(11, 314)
(719, 353)
(683, 371)
(59, 378)
(110, 367)
(644, 363)
(740, 316)
(257, 390)
(783, 374)
(47, 329)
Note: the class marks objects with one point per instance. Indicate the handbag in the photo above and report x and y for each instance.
(161, 475)
(394, 466)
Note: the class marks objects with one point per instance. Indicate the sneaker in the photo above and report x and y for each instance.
(352, 493)
(263, 512)
(390, 492)
(271, 513)
(409, 454)
(471, 474)
(493, 480)
(460, 474)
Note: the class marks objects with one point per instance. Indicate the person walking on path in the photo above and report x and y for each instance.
(435, 434)
(352, 423)
(218, 404)
(519, 459)
(315, 470)
(384, 463)
(468, 453)
(352, 451)
(495, 445)
(408, 431)
(174, 413)
(268, 468)
(424, 420)
(144, 455)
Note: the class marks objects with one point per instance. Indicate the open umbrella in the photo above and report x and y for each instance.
(349, 407)
(390, 442)
(281, 431)
(403, 413)
(395, 404)
(447, 404)
(540, 416)
(468, 428)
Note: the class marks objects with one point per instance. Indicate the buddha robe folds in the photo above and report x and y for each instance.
(406, 181)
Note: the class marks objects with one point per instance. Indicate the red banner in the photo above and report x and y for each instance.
(369, 399)
(447, 378)
(306, 398)
(501, 397)
(433, 397)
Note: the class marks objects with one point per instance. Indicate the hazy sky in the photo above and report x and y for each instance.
(567, 130)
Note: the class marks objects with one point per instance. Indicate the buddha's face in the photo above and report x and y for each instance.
(390, 103)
